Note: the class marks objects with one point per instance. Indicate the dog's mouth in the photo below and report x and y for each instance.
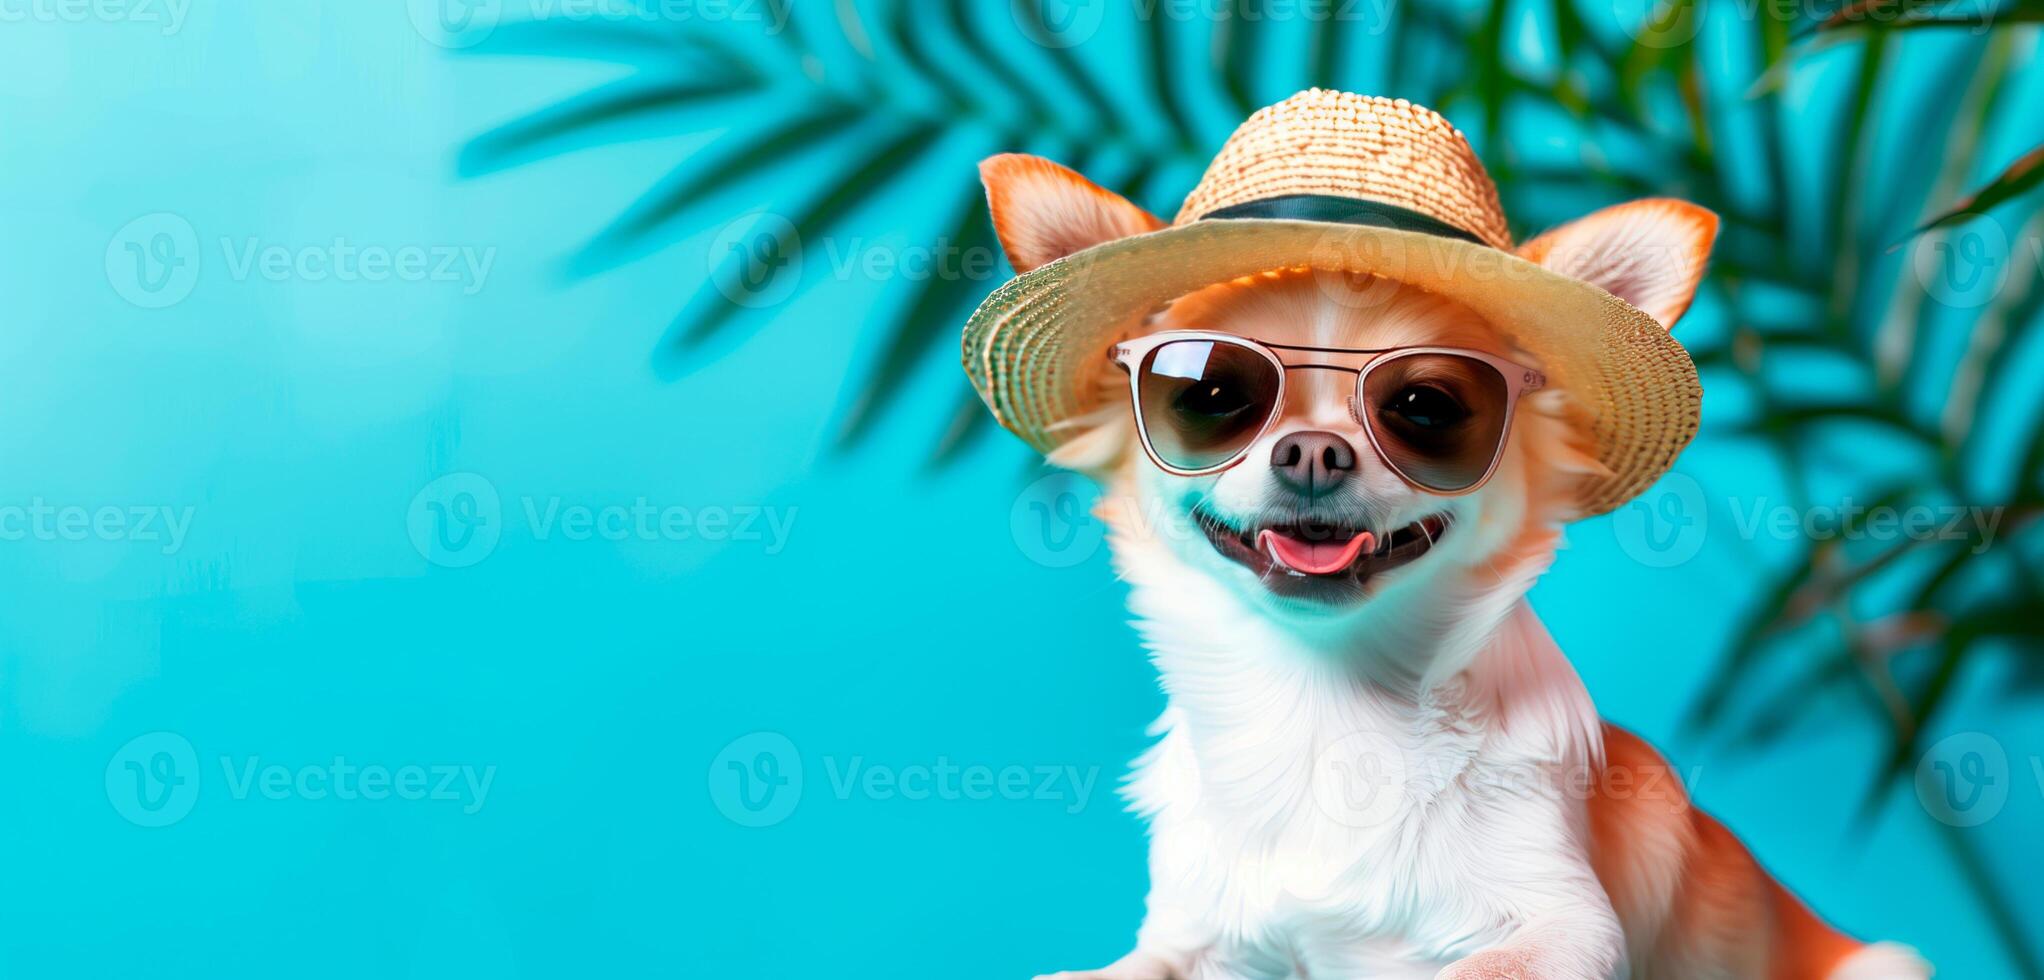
(1323, 559)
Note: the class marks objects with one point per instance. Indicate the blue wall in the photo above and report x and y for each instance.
(320, 615)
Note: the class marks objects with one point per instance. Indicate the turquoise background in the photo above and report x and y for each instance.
(911, 617)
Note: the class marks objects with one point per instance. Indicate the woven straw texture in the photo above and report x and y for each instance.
(1035, 346)
(1321, 142)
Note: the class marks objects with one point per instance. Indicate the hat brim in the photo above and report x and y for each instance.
(1034, 347)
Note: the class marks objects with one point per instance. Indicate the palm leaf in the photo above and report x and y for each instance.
(1030, 13)
(711, 310)
(695, 179)
(2018, 178)
(933, 312)
(1157, 55)
(507, 145)
(1974, 869)
(1324, 53)
(1037, 111)
(1234, 53)
(1858, 12)
(968, 421)
(607, 39)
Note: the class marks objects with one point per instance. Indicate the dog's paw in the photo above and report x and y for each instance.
(1496, 964)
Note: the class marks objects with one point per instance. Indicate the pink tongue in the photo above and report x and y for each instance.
(1315, 557)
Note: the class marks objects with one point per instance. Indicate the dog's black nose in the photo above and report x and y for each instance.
(1312, 462)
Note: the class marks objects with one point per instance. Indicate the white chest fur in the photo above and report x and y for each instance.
(1306, 822)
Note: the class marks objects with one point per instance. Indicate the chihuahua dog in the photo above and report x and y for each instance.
(1375, 762)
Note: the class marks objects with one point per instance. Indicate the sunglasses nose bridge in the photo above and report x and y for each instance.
(1321, 395)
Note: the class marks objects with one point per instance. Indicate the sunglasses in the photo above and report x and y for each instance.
(1437, 416)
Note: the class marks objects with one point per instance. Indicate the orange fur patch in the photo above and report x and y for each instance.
(1683, 883)
(1043, 211)
(1650, 253)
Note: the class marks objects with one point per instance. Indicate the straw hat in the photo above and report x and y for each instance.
(1343, 183)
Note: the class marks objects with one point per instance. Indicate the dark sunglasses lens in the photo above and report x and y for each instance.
(1439, 419)
(1203, 401)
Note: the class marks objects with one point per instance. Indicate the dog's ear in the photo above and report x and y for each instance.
(1043, 211)
(1649, 253)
